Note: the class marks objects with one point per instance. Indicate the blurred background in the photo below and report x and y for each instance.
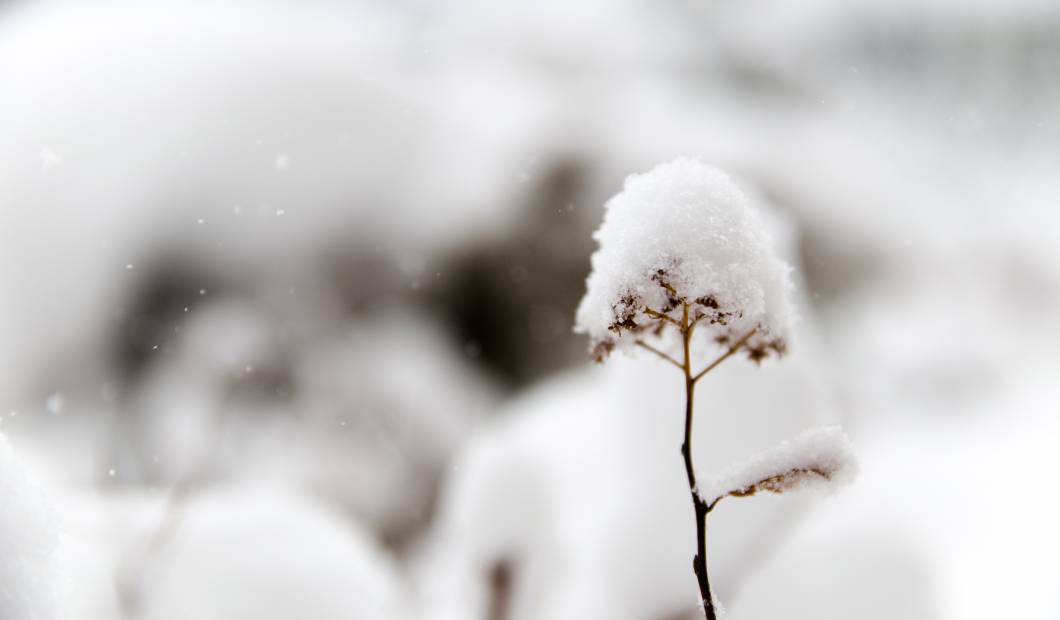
(288, 287)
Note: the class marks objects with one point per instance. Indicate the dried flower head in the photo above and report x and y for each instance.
(684, 235)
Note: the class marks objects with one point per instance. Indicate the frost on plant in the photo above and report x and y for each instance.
(683, 233)
(685, 262)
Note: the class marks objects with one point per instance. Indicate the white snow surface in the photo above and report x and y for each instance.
(292, 559)
(688, 225)
(29, 538)
(815, 457)
(246, 550)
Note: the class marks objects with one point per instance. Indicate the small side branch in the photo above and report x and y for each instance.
(644, 345)
(692, 325)
(655, 314)
(732, 349)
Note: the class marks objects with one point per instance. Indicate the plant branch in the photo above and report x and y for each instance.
(699, 505)
(655, 314)
(692, 325)
(641, 343)
(699, 561)
(732, 349)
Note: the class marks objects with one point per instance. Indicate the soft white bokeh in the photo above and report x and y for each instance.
(335, 177)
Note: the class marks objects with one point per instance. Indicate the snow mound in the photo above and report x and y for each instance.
(684, 233)
(270, 554)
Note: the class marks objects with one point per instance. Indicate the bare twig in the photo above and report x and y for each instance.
(642, 344)
(732, 349)
(692, 326)
(655, 314)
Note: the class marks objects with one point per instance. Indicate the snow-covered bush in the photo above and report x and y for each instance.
(681, 248)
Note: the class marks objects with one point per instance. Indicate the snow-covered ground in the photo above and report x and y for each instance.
(287, 291)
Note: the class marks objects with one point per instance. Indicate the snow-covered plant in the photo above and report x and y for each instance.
(683, 239)
(813, 457)
(686, 265)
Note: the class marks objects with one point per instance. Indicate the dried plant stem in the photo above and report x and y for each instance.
(732, 349)
(701, 507)
(642, 344)
(655, 314)
(699, 562)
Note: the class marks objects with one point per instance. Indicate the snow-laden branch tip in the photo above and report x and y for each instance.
(815, 457)
(684, 235)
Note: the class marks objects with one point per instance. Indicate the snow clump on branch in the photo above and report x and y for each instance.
(682, 235)
(814, 457)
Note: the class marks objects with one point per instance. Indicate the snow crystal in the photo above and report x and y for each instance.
(28, 541)
(813, 457)
(684, 233)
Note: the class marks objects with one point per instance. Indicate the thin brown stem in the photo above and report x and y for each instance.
(692, 325)
(724, 356)
(699, 561)
(655, 314)
(642, 344)
(699, 505)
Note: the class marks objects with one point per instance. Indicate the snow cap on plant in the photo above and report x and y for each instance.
(813, 458)
(682, 235)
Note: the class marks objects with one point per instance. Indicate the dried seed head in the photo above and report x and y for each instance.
(683, 235)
